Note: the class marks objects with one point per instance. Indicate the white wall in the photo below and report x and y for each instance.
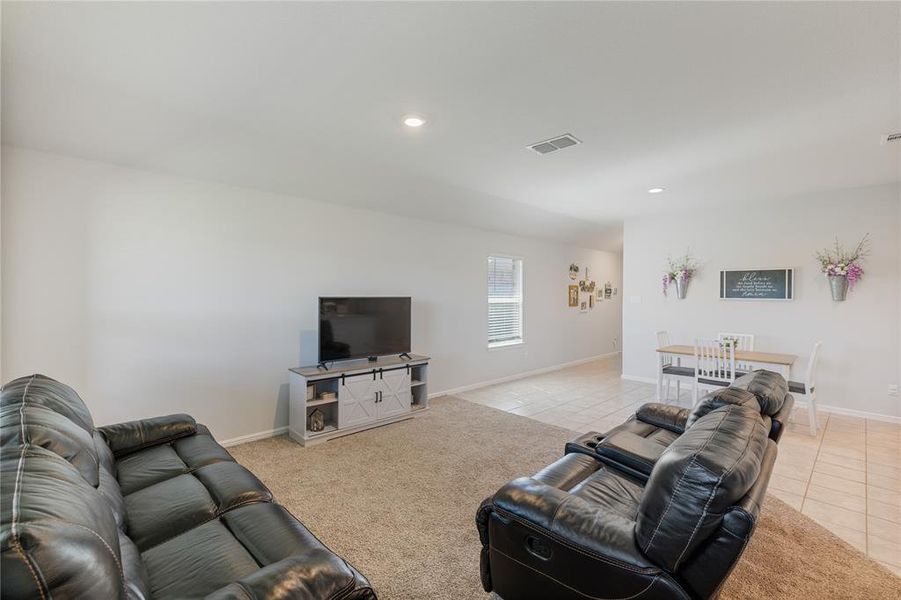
(860, 353)
(152, 294)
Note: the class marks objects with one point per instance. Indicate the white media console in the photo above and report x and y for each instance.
(360, 394)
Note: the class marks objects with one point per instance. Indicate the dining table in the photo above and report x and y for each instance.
(781, 363)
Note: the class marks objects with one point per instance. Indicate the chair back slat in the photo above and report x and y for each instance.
(714, 361)
(812, 366)
(742, 341)
(662, 341)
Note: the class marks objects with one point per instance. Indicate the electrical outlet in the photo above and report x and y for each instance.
(893, 389)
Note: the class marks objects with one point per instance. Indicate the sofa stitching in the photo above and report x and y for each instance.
(712, 495)
(17, 492)
(682, 478)
(108, 547)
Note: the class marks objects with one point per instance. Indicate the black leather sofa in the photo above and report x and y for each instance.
(667, 517)
(147, 509)
(636, 445)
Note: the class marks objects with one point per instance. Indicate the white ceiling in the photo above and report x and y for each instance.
(724, 104)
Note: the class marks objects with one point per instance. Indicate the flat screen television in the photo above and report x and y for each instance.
(363, 327)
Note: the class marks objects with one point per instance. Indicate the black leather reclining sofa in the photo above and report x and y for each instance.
(147, 509)
(659, 507)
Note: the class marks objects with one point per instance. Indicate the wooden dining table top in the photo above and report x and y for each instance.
(742, 355)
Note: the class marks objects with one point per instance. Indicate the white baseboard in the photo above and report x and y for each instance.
(252, 437)
(826, 408)
(523, 374)
(849, 412)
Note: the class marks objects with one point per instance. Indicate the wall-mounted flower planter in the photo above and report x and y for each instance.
(681, 288)
(839, 286)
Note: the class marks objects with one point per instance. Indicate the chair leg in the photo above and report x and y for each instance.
(678, 391)
(668, 384)
(694, 394)
(812, 414)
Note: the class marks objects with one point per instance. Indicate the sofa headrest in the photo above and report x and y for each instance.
(769, 387)
(61, 524)
(720, 397)
(49, 393)
(43, 412)
(39, 426)
(708, 468)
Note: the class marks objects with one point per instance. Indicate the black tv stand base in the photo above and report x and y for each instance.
(322, 365)
(406, 355)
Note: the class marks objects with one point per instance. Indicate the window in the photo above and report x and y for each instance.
(504, 301)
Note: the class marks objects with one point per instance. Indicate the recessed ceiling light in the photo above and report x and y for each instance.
(414, 121)
(655, 190)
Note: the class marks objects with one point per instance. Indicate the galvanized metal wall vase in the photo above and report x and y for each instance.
(679, 272)
(842, 267)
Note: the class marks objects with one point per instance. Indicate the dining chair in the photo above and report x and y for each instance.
(743, 341)
(808, 388)
(673, 371)
(714, 365)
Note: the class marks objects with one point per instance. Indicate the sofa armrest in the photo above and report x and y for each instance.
(625, 449)
(666, 416)
(578, 522)
(540, 542)
(125, 438)
(300, 577)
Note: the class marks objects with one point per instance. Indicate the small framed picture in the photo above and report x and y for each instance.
(583, 306)
(590, 300)
(573, 296)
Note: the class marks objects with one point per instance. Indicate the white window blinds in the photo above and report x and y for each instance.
(504, 300)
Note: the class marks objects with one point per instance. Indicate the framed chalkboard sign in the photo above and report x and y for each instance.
(757, 284)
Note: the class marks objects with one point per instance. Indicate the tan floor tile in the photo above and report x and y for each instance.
(884, 510)
(793, 471)
(859, 452)
(858, 539)
(887, 483)
(837, 483)
(883, 427)
(793, 500)
(787, 484)
(883, 456)
(883, 495)
(887, 471)
(886, 440)
(843, 461)
(883, 529)
(859, 476)
(837, 498)
(883, 550)
(827, 515)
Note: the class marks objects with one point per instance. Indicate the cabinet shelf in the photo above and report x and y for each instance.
(320, 402)
(328, 429)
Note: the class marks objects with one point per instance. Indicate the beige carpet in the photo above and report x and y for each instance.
(399, 502)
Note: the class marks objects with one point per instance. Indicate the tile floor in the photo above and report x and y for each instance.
(847, 478)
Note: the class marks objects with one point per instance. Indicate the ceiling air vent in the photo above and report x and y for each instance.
(558, 143)
(891, 137)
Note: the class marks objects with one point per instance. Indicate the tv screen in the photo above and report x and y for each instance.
(363, 327)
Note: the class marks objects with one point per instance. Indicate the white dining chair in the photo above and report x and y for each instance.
(714, 365)
(743, 341)
(808, 388)
(673, 371)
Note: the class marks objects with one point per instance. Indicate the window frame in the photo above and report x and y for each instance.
(516, 343)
